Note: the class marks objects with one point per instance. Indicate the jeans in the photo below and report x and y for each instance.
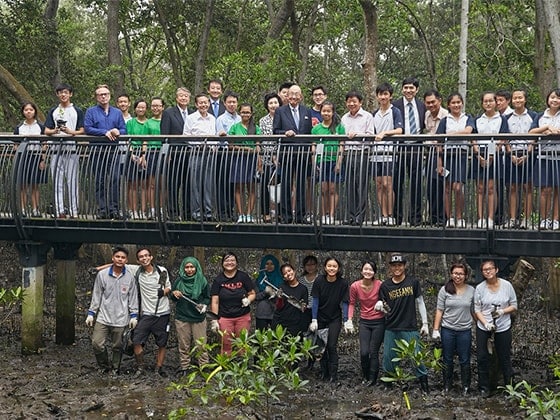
(456, 342)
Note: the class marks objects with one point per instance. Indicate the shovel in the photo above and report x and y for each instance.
(209, 314)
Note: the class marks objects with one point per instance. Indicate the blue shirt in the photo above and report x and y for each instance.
(97, 122)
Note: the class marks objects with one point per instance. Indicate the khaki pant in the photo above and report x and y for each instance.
(101, 333)
(188, 332)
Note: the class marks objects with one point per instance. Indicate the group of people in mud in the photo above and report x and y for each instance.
(138, 297)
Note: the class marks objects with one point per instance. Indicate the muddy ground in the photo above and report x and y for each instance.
(63, 382)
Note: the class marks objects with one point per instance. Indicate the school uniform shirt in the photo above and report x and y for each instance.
(451, 125)
(330, 295)
(231, 291)
(401, 298)
(545, 146)
(389, 119)
(520, 124)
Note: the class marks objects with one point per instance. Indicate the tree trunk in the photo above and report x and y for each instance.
(170, 41)
(370, 52)
(309, 31)
(279, 21)
(203, 47)
(463, 38)
(113, 48)
(51, 28)
(523, 275)
(554, 286)
(552, 14)
(16, 89)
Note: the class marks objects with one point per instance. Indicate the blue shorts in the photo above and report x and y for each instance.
(327, 173)
(455, 161)
(519, 174)
(383, 169)
(547, 173)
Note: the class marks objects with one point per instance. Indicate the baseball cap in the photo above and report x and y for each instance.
(397, 257)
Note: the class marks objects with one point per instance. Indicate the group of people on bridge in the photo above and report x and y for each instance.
(138, 297)
(310, 154)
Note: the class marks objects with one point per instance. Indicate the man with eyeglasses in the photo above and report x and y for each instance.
(107, 124)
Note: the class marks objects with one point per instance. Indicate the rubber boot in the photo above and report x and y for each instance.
(424, 384)
(324, 369)
(465, 379)
(116, 361)
(373, 378)
(447, 378)
(103, 361)
(365, 363)
(333, 373)
(139, 364)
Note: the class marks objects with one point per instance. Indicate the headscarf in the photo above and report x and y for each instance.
(191, 286)
(274, 277)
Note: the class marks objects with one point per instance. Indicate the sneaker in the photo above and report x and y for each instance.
(308, 218)
(545, 224)
(512, 224)
(249, 218)
(525, 224)
(241, 218)
(390, 221)
(36, 213)
(461, 224)
(555, 225)
(490, 224)
(481, 224)
(324, 220)
(379, 222)
(450, 223)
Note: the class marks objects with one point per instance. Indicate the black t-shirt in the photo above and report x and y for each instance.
(231, 291)
(288, 315)
(331, 295)
(401, 298)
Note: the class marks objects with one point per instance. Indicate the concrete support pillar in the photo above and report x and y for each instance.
(33, 258)
(66, 256)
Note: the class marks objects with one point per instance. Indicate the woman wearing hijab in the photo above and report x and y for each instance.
(190, 319)
(269, 270)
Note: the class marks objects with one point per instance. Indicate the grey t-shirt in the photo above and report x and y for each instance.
(484, 300)
(456, 309)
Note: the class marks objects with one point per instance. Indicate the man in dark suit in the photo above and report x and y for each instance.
(291, 120)
(410, 156)
(215, 89)
(172, 123)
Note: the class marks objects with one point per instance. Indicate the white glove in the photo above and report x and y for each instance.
(349, 327)
(424, 330)
(269, 291)
(497, 313)
(490, 327)
(201, 308)
(436, 335)
(132, 323)
(379, 306)
(245, 302)
(89, 321)
(214, 326)
(313, 326)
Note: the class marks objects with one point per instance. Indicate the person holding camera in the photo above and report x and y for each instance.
(64, 120)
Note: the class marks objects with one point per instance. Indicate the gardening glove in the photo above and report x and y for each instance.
(201, 308)
(214, 326)
(279, 293)
(89, 321)
(425, 330)
(436, 335)
(490, 327)
(133, 323)
(269, 291)
(313, 326)
(497, 313)
(245, 302)
(349, 327)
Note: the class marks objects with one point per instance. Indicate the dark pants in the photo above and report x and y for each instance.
(357, 182)
(371, 333)
(224, 189)
(434, 186)
(106, 163)
(408, 165)
(329, 361)
(502, 341)
(177, 184)
(293, 167)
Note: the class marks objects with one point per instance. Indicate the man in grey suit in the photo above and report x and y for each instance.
(172, 123)
(292, 120)
(410, 157)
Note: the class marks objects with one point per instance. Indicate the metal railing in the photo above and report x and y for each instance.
(452, 182)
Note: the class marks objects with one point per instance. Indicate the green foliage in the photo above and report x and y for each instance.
(261, 369)
(10, 299)
(543, 404)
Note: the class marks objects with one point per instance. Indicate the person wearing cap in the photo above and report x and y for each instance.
(400, 296)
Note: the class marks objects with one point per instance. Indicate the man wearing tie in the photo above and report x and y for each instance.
(409, 163)
(215, 89)
(172, 123)
(291, 120)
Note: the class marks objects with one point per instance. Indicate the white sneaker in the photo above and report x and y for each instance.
(324, 220)
(379, 222)
(241, 218)
(545, 224)
(450, 222)
(480, 224)
(390, 221)
(524, 224)
(490, 224)
(249, 218)
(555, 225)
(461, 223)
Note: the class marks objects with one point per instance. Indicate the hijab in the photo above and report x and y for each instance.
(191, 286)
(274, 277)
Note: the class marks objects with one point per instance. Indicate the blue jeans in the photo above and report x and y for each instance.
(456, 342)
(389, 353)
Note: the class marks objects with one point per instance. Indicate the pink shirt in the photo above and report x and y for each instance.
(366, 300)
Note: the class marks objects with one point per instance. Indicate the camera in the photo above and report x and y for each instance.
(60, 123)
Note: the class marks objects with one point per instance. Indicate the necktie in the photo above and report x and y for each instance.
(411, 119)
(184, 114)
(296, 116)
(216, 107)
